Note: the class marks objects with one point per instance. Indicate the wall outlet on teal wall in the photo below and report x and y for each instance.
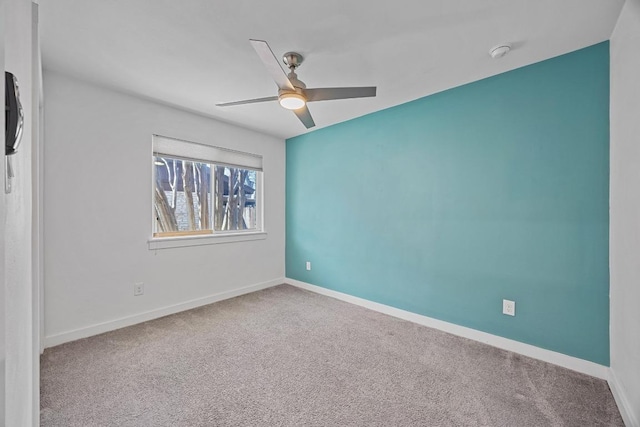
(508, 307)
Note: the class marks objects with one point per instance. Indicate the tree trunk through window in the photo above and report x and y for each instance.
(164, 214)
(219, 206)
(187, 183)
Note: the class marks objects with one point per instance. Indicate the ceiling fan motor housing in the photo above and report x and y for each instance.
(297, 83)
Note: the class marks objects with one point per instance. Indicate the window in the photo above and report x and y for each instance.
(204, 190)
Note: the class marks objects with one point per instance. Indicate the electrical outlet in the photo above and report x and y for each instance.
(508, 307)
(308, 265)
(138, 289)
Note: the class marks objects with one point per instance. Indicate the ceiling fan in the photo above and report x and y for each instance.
(292, 92)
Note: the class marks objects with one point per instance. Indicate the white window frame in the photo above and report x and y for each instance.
(216, 156)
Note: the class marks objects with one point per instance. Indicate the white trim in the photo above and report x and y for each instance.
(621, 400)
(207, 239)
(111, 325)
(37, 218)
(39, 209)
(569, 362)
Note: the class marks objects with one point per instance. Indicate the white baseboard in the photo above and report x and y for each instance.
(111, 325)
(620, 397)
(569, 362)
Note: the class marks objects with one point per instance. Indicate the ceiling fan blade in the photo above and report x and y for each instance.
(248, 101)
(305, 117)
(271, 62)
(328, 93)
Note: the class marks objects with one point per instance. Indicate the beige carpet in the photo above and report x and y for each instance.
(287, 357)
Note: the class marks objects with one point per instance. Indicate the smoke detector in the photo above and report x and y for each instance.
(500, 50)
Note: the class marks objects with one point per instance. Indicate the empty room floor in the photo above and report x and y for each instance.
(288, 357)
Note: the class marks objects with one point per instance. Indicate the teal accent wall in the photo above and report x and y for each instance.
(445, 205)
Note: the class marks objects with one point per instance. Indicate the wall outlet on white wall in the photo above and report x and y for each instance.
(308, 265)
(138, 289)
(508, 307)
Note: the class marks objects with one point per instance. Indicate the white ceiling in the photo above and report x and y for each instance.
(195, 53)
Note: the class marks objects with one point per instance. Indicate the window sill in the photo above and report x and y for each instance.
(209, 239)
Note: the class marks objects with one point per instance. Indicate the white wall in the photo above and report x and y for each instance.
(97, 213)
(2, 226)
(625, 212)
(21, 359)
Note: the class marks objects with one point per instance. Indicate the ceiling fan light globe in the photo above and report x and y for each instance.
(292, 101)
